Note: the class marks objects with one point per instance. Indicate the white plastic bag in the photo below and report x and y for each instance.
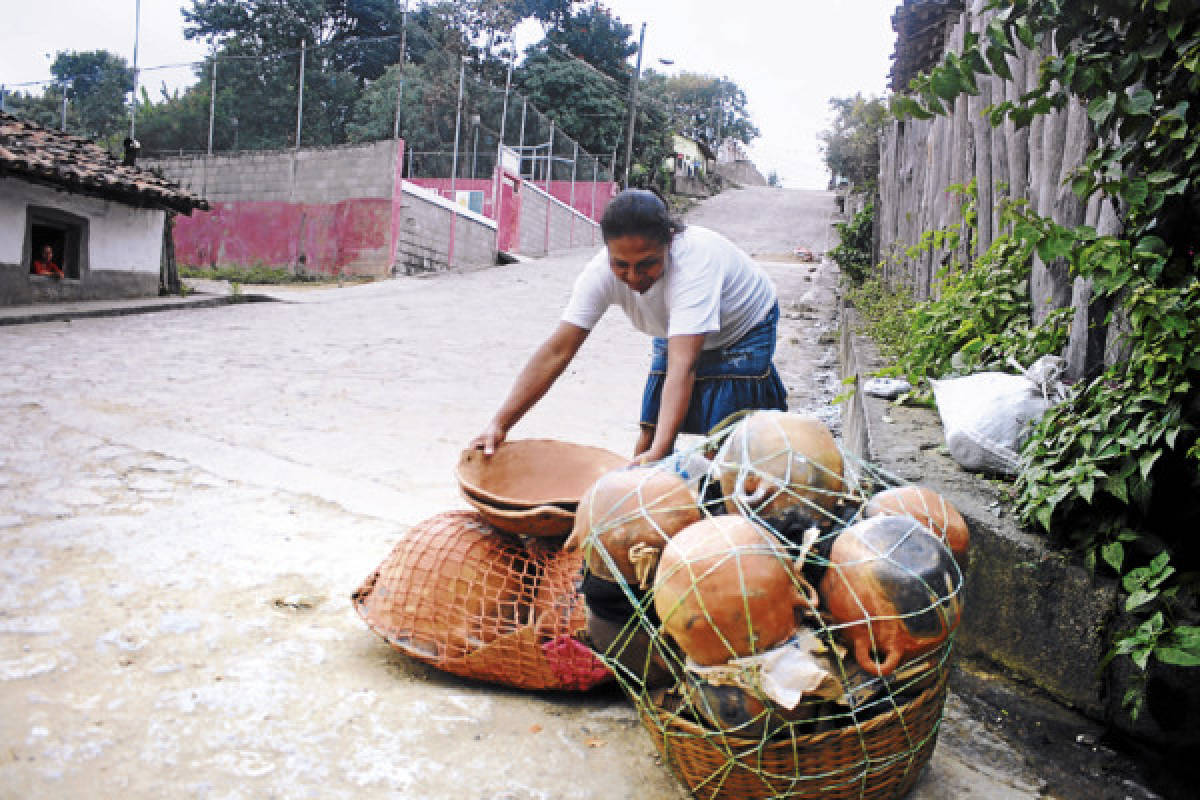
(987, 416)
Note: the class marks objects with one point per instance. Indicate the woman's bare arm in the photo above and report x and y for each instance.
(682, 354)
(533, 381)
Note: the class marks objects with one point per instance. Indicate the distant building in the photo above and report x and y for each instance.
(731, 150)
(734, 164)
(102, 219)
(692, 158)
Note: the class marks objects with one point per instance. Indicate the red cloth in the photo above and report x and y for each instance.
(573, 663)
(46, 268)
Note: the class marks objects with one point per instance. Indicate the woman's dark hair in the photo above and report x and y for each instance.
(638, 212)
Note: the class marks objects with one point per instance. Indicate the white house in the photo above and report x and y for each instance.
(103, 220)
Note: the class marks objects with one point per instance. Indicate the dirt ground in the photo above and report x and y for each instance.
(188, 498)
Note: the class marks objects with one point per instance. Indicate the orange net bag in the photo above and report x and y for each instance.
(459, 595)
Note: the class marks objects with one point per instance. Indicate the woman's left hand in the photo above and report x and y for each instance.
(649, 457)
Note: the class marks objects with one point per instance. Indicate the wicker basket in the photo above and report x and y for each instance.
(878, 759)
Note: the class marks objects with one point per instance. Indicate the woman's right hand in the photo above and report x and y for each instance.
(492, 436)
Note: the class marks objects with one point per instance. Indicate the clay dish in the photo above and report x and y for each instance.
(570, 508)
(534, 472)
(535, 521)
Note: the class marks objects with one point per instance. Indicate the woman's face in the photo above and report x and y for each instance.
(637, 262)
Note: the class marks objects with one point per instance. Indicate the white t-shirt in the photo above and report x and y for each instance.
(709, 286)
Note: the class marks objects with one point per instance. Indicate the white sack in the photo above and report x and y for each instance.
(988, 416)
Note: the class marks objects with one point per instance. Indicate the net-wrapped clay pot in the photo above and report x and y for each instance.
(893, 588)
(929, 509)
(630, 514)
(725, 589)
(451, 585)
(774, 461)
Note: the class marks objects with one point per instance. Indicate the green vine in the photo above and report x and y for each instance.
(853, 251)
(1115, 467)
(981, 313)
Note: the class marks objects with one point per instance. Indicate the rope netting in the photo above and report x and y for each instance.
(780, 613)
(461, 595)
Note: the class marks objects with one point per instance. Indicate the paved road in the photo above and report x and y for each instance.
(188, 498)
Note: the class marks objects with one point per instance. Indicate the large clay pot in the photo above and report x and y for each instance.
(533, 472)
(636, 510)
(894, 587)
(774, 461)
(928, 508)
(724, 589)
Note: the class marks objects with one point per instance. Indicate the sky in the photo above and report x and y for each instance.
(788, 56)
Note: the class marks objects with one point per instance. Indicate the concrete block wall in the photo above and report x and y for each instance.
(548, 225)
(316, 175)
(435, 234)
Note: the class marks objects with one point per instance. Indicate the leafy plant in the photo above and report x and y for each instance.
(853, 251)
(1121, 455)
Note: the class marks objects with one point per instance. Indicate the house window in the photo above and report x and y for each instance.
(64, 233)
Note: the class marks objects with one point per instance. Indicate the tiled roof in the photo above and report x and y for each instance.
(921, 28)
(71, 162)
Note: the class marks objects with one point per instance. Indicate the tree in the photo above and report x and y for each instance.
(703, 107)
(597, 37)
(851, 147)
(96, 82)
(582, 102)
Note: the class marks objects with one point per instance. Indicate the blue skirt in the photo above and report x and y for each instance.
(734, 378)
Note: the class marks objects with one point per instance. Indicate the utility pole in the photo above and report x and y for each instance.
(462, 74)
(633, 90)
(137, 29)
(300, 94)
(403, 58)
(212, 102)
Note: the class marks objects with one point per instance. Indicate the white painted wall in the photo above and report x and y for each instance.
(120, 237)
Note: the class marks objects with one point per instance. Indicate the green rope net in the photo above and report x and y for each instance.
(780, 613)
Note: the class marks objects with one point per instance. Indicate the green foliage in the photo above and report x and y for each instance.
(97, 82)
(884, 312)
(599, 38)
(703, 107)
(981, 313)
(580, 100)
(851, 147)
(239, 276)
(853, 252)
(1122, 453)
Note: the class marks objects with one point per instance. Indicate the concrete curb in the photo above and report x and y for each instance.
(57, 312)
(1029, 609)
(1032, 609)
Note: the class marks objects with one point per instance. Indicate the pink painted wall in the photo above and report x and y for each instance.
(559, 190)
(351, 236)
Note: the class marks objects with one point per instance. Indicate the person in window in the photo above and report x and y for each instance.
(44, 263)
(711, 311)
